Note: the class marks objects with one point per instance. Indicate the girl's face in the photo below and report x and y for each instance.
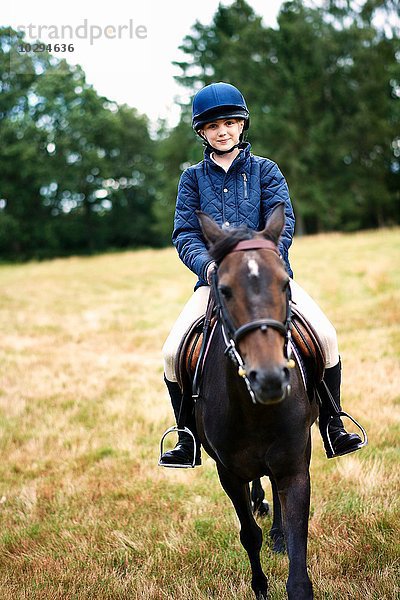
(223, 133)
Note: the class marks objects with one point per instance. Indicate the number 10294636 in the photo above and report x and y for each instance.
(26, 47)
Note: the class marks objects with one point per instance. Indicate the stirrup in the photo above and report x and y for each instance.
(341, 413)
(177, 466)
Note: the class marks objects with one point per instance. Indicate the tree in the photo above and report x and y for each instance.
(20, 163)
(78, 169)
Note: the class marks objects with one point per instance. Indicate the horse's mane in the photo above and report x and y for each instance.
(225, 244)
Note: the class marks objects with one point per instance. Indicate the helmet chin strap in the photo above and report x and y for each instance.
(221, 152)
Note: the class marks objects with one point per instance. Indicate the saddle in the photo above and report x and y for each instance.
(310, 349)
(304, 338)
(189, 351)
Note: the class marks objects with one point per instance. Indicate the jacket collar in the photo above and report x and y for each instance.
(239, 161)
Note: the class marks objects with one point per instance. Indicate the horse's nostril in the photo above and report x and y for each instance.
(253, 376)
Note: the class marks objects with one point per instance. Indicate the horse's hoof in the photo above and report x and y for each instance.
(278, 540)
(259, 585)
(279, 547)
(262, 510)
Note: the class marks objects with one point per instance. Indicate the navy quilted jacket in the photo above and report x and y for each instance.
(245, 194)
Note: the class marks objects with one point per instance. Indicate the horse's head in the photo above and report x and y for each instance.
(252, 289)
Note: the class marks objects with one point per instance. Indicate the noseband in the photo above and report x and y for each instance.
(233, 335)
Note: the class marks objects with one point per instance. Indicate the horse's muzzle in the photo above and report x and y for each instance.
(270, 386)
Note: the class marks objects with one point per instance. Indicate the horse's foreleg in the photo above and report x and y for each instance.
(250, 532)
(260, 506)
(294, 495)
(276, 531)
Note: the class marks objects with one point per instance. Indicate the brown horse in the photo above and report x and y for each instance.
(253, 414)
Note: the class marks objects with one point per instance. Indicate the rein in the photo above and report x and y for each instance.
(233, 335)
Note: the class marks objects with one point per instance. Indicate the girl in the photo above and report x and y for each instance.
(235, 187)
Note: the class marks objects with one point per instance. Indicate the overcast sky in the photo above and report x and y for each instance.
(136, 67)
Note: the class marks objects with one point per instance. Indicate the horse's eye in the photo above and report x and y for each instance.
(286, 285)
(225, 291)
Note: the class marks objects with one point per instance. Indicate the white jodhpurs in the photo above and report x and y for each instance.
(193, 309)
(197, 305)
(322, 325)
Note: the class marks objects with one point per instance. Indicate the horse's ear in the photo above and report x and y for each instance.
(275, 223)
(211, 231)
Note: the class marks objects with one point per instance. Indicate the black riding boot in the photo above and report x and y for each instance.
(182, 454)
(340, 442)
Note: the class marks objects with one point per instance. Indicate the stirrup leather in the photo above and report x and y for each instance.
(177, 466)
(341, 413)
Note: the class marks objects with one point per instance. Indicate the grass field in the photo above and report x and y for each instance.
(85, 513)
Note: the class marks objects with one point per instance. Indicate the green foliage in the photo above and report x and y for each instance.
(174, 152)
(77, 169)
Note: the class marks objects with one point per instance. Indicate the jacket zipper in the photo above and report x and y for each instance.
(223, 200)
(245, 185)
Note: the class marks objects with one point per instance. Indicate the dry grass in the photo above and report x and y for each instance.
(85, 512)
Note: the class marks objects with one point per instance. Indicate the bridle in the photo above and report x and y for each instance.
(233, 335)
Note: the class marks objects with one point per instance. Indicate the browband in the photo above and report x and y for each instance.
(255, 244)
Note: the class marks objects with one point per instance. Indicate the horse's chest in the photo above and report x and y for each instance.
(244, 457)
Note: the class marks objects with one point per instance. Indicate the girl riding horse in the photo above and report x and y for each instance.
(237, 188)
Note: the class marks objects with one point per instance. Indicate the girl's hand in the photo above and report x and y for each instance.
(210, 270)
